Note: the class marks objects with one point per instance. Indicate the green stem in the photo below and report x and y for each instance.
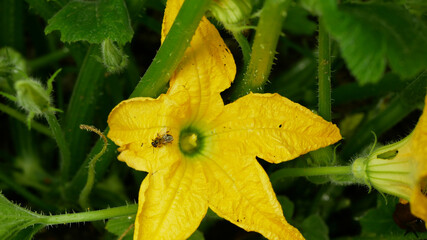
(244, 45)
(170, 53)
(324, 72)
(323, 156)
(263, 49)
(62, 144)
(23, 118)
(48, 59)
(284, 173)
(90, 216)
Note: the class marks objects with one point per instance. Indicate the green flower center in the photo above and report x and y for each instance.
(190, 141)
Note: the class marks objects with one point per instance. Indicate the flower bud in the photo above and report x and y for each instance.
(400, 168)
(387, 170)
(113, 57)
(32, 96)
(231, 13)
(12, 68)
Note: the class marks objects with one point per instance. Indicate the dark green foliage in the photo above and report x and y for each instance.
(374, 35)
(92, 21)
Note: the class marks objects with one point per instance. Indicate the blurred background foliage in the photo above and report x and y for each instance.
(378, 57)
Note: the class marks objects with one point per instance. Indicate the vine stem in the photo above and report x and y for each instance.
(58, 134)
(307, 172)
(170, 53)
(324, 72)
(323, 156)
(263, 49)
(90, 216)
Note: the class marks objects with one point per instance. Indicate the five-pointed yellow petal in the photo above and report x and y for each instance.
(272, 127)
(211, 160)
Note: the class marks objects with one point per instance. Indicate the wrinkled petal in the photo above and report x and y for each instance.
(172, 203)
(239, 191)
(419, 141)
(271, 127)
(206, 69)
(419, 199)
(419, 153)
(134, 124)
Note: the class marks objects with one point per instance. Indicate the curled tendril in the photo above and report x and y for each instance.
(84, 195)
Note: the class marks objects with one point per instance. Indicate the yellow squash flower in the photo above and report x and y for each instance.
(400, 168)
(199, 153)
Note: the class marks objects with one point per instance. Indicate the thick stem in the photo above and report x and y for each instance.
(263, 49)
(324, 72)
(323, 156)
(170, 53)
(58, 134)
(90, 216)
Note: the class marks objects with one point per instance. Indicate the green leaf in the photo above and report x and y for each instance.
(92, 21)
(370, 35)
(313, 227)
(121, 225)
(29, 232)
(378, 222)
(14, 219)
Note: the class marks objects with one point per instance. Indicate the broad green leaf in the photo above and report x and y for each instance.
(378, 222)
(14, 219)
(372, 35)
(314, 228)
(121, 225)
(92, 21)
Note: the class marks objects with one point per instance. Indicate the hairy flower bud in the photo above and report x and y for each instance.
(32, 96)
(113, 57)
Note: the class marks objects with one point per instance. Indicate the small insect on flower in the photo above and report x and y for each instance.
(404, 219)
(162, 139)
